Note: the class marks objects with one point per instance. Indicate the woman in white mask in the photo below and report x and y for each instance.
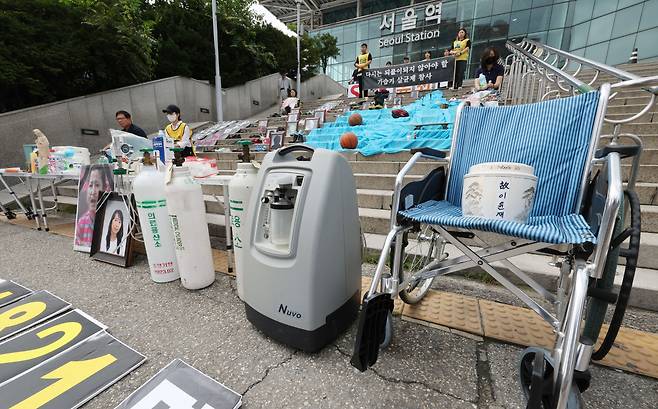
(178, 130)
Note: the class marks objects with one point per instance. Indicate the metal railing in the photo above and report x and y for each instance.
(536, 72)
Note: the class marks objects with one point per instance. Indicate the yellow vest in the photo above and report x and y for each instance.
(363, 58)
(460, 45)
(177, 134)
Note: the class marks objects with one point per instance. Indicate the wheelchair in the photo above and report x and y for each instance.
(578, 217)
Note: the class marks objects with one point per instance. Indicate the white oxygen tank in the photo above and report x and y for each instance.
(187, 214)
(149, 191)
(239, 190)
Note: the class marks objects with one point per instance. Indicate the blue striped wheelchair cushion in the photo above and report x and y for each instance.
(567, 229)
(552, 136)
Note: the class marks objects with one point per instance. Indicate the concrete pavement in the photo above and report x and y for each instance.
(423, 368)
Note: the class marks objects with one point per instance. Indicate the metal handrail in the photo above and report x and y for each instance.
(599, 67)
(537, 72)
(575, 82)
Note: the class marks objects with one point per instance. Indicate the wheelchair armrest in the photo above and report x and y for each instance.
(624, 151)
(430, 153)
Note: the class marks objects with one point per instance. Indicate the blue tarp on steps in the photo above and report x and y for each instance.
(381, 133)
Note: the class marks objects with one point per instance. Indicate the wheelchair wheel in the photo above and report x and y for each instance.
(536, 377)
(416, 255)
(388, 332)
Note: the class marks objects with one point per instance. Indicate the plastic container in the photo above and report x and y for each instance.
(187, 213)
(149, 191)
(201, 167)
(499, 191)
(482, 81)
(281, 222)
(68, 159)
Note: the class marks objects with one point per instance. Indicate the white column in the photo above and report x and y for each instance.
(358, 8)
(218, 77)
(299, 38)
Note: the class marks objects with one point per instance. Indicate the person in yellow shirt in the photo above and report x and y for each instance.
(178, 130)
(362, 64)
(460, 47)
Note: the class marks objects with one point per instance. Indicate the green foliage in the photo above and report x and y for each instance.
(327, 49)
(57, 49)
(310, 55)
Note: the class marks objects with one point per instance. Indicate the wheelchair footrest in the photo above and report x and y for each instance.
(371, 330)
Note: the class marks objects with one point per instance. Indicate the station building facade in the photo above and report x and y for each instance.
(602, 30)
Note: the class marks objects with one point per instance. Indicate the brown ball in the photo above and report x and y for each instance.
(355, 119)
(349, 140)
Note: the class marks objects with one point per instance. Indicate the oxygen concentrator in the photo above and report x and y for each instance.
(302, 266)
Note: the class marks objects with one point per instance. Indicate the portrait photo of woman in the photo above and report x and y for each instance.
(113, 230)
(114, 240)
(94, 180)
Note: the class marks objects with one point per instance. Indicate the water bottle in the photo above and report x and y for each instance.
(160, 148)
(482, 80)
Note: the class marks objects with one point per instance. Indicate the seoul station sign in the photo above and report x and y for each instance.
(409, 20)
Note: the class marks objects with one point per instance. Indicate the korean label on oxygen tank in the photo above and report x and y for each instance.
(153, 224)
(163, 268)
(177, 236)
(236, 206)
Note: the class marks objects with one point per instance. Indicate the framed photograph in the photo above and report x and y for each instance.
(321, 116)
(276, 140)
(112, 241)
(292, 128)
(94, 180)
(262, 126)
(311, 123)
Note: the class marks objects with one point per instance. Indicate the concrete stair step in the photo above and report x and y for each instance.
(645, 285)
(380, 182)
(639, 128)
(374, 199)
(376, 221)
(649, 117)
(646, 173)
(649, 156)
(216, 224)
(67, 190)
(50, 200)
(649, 218)
(629, 109)
(613, 80)
(648, 193)
(640, 98)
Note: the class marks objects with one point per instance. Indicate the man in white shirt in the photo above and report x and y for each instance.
(284, 86)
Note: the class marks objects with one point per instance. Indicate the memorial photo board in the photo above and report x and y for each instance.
(30, 311)
(10, 292)
(31, 348)
(73, 377)
(178, 385)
